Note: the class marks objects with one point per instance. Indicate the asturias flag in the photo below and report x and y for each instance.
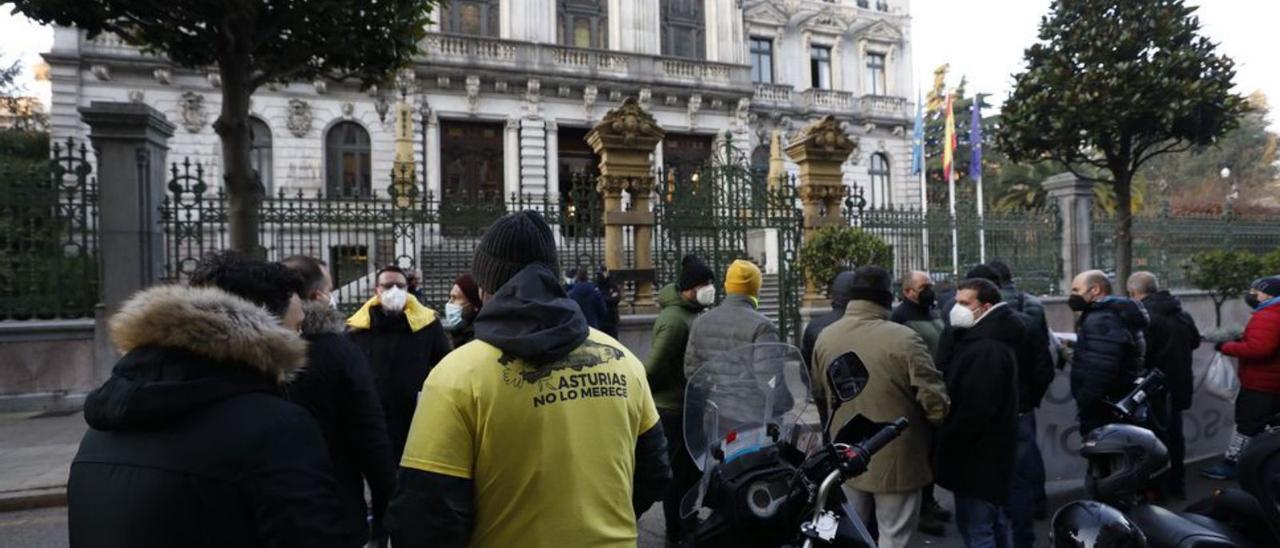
(917, 139)
(949, 141)
(975, 140)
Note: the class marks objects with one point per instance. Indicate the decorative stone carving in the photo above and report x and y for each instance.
(880, 145)
(533, 91)
(717, 103)
(628, 126)
(192, 111)
(564, 91)
(615, 95)
(589, 101)
(671, 100)
(695, 104)
(899, 131)
(500, 86)
(321, 86)
(300, 118)
(215, 79)
(869, 128)
(162, 75)
(137, 96)
(473, 92)
(443, 82)
(101, 72)
(822, 140)
(646, 98)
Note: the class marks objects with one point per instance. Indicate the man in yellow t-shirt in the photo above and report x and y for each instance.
(542, 431)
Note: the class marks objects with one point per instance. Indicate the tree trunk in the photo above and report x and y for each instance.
(244, 189)
(1124, 231)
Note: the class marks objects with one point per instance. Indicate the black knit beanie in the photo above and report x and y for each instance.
(984, 272)
(1269, 285)
(872, 283)
(693, 273)
(513, 242)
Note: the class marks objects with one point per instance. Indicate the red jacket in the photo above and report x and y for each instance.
(1259, 351)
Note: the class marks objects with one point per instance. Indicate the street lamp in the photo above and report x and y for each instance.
(1226, 176)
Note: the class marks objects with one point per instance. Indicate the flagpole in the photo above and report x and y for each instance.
(951, 196)
(924, 209)
(982, 225)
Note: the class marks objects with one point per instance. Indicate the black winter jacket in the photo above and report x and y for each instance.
(1172, 337)
(1110, 353)
(191, 443)
(977, 440)
(841, 292)
(337, 388)
(401, 359)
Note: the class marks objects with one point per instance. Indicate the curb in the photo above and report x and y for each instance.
(31, 499)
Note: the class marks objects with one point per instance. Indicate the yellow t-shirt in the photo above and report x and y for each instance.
(551, 451)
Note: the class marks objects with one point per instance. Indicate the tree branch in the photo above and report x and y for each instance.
(1173, 148)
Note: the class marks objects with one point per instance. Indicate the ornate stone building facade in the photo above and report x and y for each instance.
(506, 90)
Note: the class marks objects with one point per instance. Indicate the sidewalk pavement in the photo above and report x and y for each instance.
(35, 458)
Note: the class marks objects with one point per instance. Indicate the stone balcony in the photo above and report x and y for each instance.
(868, 108)
(550, 61)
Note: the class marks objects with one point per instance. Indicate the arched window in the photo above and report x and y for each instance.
(881, 194)
(260, 153)
(347, 162)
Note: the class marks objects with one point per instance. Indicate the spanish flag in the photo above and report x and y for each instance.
(949, 142)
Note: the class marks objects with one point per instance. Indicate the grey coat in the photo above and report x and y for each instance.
(733, 324)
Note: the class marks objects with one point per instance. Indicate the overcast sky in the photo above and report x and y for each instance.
(982, 39)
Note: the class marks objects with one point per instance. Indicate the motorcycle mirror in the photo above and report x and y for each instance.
(846, 377)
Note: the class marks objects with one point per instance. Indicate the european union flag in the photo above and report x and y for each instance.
(917, 139)
(975, 140)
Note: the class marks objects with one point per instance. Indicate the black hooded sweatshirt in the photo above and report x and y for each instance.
(532, 318)
(191, 443)
(1172, 337)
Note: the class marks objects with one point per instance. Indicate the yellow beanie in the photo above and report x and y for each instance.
(743, 279)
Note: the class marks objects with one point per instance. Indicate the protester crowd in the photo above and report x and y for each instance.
(247, 411)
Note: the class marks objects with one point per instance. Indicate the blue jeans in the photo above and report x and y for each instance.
(982, 524)
(1028, 479)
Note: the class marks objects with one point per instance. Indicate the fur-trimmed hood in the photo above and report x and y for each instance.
(320, 319)
(211, 323)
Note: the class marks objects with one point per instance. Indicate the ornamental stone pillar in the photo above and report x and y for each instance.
(625, 140)
(819, 150)
(1074, 198)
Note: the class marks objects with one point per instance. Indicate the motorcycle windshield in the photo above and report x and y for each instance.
(744, 400)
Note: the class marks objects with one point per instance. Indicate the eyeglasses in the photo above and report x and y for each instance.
(390, 285)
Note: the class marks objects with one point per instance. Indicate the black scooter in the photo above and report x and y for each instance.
(1124, 458)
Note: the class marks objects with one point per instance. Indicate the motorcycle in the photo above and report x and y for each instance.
(766, 479)
(1123, 459)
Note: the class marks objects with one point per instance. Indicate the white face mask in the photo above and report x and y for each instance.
(707, 295)
(962, 317)
(452, 316)
(333, 301)
(394, 299)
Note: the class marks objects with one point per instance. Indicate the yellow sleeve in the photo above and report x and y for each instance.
(648, 411)
(442, 435)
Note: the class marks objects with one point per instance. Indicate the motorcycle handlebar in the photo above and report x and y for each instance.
(858, 457)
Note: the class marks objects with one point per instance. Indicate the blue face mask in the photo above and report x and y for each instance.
(452, 316)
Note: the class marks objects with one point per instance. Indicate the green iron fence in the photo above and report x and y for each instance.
(1164, 243)
(48, 236)
(725, 211)
(357, 236)
(1030, 242)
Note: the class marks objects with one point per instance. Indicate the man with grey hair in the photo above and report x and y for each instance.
(1171, 338)
(1110, 347)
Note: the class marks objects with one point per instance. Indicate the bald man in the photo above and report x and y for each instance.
(1110, 347)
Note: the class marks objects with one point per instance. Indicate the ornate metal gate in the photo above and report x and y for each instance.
(724, 211)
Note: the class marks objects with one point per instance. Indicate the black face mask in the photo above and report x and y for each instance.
(926, 298)
(1251, 300)
(1077, 303)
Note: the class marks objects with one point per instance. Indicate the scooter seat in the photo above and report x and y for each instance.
(1165, 529)
(1220, 527)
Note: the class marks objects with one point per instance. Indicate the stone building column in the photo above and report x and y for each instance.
(131, 142)
(553, 158)
(725, 37)
(533, 156)
(625, 139)
(635, 26)
(432, 160)
(511, 158)
(528, 20)
(1074, 198)
(820, 150)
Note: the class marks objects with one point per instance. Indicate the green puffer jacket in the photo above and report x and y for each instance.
(665, 364)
